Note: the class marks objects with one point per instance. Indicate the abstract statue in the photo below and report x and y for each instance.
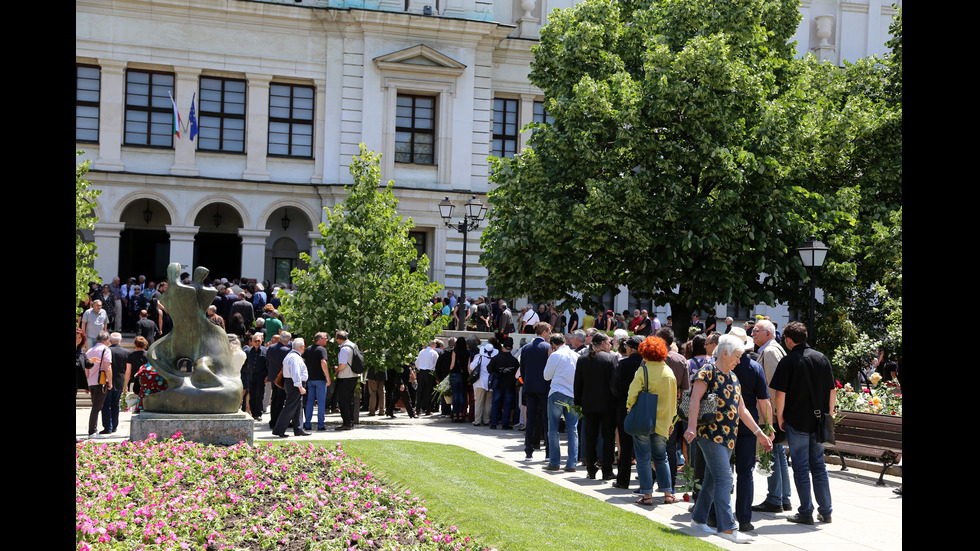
(214, 383)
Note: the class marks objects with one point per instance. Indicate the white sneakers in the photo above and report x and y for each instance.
(95, 436)
(703, 527)
(736, 537)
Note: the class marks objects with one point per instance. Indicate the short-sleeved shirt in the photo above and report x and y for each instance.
(725, 427)
(344, 358)
(312, 356)
(752, 380)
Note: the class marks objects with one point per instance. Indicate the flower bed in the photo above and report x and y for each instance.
(184, 495)
(883, 398)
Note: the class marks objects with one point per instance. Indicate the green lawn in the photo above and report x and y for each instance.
(506, 507)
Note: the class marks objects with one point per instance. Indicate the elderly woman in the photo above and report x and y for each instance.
(717, 438)
(662, 383)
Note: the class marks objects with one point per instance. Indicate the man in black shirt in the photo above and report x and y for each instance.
(254, 372)
(803, 383)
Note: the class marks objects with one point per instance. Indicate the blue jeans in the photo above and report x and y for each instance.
(555, 412)
(501, 396)
(807, 456)
(459, 394)
(655, 445)
(315, 390)
(716, 490)
(779, 485)
(110, 410)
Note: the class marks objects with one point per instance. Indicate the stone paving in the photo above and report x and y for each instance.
(866, 517)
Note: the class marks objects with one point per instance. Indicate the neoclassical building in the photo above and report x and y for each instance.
(283, 93)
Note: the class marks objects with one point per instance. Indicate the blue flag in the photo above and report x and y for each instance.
(193, 119)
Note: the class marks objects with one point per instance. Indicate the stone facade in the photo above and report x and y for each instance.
(248, 199)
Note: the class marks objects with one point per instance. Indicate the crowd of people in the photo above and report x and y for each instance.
(562, 377)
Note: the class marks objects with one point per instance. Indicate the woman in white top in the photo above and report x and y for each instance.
(481, 388)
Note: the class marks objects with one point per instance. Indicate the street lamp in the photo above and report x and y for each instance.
(812, 253)
(475, 213)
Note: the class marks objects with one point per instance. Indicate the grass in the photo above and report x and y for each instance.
(502, 506)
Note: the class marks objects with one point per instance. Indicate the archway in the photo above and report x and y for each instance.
(144, 244)
(217, 245)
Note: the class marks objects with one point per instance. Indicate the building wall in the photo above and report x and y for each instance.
(358, 56)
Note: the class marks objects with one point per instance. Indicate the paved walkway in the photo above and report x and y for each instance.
(866, 517)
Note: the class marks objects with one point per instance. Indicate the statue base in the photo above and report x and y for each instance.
(225, 429)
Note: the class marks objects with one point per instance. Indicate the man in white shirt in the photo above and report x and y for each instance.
(528, 319)
(426, 364)
(94, 321)
(294, 373)
(560, 370)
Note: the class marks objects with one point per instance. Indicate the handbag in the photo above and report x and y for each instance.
(825, 421)
(642, 418)
(474, 375)
(707, 409)
(279, 382)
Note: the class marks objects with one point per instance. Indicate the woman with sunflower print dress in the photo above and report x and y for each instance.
(717, 439)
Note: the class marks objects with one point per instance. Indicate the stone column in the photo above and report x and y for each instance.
(112, 108)
(253, 252)
(182, 245)
(257, 129)
(185, 86)
(107, 244)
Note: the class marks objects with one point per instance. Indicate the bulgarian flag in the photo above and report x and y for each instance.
(177, 123)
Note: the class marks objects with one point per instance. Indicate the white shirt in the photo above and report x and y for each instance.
(294, 368)
(560, 370)
(530, 317)
(427, 359)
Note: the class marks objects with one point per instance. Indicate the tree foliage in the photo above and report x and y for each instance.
(361, 281)
(676, 124)
(85, 219)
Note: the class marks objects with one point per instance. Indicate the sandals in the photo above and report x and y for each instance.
(670, 498)
(645, 500)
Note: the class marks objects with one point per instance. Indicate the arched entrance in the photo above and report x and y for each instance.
(289, 229)
(217, 245)
(144, 244)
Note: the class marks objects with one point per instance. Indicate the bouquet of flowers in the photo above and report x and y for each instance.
(765, 457)
(443, 390)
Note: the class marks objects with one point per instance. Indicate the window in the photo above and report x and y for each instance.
(540, 115)
(221, 121)
(415, 130)
(504, 127)
(291, 120)
(420, 244)
(86, 103)
(735, 311)
(149, 111)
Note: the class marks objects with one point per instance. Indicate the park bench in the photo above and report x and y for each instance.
(868, 434)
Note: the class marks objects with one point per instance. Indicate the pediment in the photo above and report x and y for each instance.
(420, 59)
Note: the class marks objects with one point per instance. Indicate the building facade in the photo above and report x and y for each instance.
(284, 91)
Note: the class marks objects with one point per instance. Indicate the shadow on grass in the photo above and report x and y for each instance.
(505, 507)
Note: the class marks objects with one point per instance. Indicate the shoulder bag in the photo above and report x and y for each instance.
(708, 407)
(642, 418)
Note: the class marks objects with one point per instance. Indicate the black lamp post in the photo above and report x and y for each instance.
(813, 253)
(475, 213)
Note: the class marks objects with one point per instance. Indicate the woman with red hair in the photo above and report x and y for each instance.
(656, 378)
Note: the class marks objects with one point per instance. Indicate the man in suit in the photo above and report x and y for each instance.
(534, 358)
(255, 371)
(275, 355)
(625, 371)
(593, 391)
(777, 498)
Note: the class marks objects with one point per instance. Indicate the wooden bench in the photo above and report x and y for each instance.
(868, 434)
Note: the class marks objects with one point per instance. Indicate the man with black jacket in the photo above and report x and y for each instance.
(625, 371)
(255, 371)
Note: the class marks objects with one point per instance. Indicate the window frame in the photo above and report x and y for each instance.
(150, 109)
(414, 130)
(222, 116)
(503, 136)
(292, 121)
(543, 116)
(88, 103)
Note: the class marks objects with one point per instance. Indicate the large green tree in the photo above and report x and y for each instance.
(676, 126)
(362, 281)
(85, 219)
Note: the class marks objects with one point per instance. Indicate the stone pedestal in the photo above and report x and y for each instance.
(221, 429)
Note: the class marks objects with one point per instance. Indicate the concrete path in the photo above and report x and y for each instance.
(866, 517)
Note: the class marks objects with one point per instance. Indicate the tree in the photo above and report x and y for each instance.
(676, 124)
(85, 219)
(361, 281)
